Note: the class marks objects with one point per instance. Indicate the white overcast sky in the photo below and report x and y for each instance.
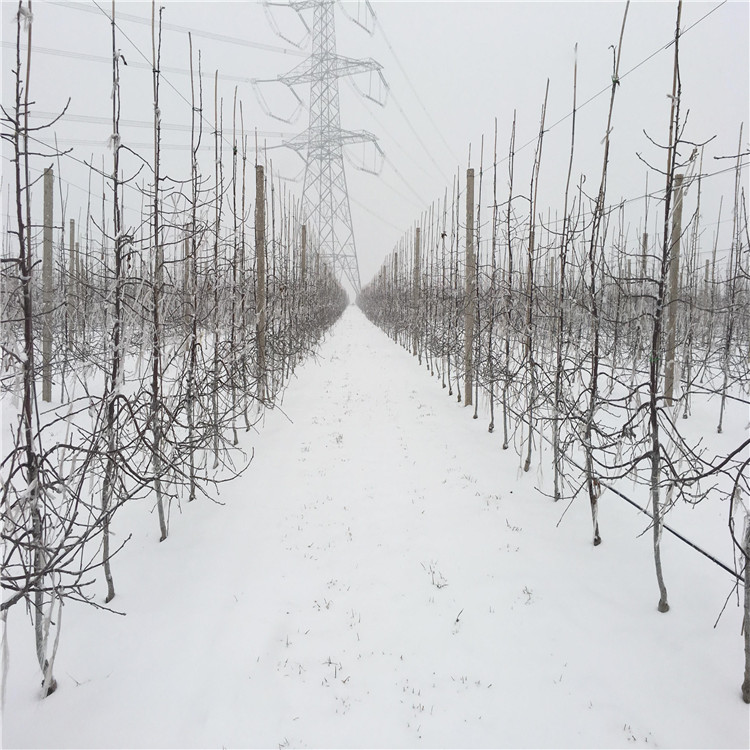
(452, 67)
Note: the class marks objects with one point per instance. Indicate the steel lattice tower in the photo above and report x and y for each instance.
(325, 198)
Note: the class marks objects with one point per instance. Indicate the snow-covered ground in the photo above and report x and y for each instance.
(385, 576)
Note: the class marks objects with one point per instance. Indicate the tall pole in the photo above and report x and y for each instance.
(325, 198)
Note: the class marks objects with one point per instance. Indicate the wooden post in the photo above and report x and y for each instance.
(417, 282)
(260, 293)
(674, 291)
(470, 292)
(303, 263)
(47, 285)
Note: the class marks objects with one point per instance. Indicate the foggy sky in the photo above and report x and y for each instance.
(452, 68)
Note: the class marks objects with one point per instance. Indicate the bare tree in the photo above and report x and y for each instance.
(565, 241)
(530, 362)
(592, 482)
(157, 281)
(654, 390)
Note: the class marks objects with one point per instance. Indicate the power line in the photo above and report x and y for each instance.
(87, 57)
(148, 64)
(608, 87)
(57, 177)
(134, 146)
(164, 78)
(657, 194)
(555, 124)
(380, 218)
(412, 87)
(405, 181)
(395, 140)
(186, 30)
(70, 156)
(417, 136)
(68, 182)
(94, 120)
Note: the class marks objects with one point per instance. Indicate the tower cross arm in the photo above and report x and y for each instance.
(310, 139)
(349, 137)
(299, 5)
(334, 66)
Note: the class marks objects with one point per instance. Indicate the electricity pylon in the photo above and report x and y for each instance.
(325, 198)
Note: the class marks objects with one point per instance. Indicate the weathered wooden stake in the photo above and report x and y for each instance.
(303, 260)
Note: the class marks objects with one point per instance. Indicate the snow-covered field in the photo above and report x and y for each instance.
(385, 576)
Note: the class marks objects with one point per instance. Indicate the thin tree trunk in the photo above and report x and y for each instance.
(475, 302)
(509, 284)
(116, 354)
(217, 272)
(493, 290)
(157, 282)
(234, 352)
(416, 289)
(734, 264)
(470, 293)
(530, 300)
(674, 291)
(192, 354)
(561, 292)
(656, 340)
(260, 294)
(47, 271)
(20, 141)
(592, 482)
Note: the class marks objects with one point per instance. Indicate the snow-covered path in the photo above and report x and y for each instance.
(383, 576)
